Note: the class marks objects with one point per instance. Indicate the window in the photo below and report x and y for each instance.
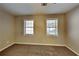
(28, 26)
(52, 27)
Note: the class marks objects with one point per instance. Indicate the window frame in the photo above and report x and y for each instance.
(28, 27)
(56, 27)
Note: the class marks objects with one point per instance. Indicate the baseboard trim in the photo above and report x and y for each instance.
(39, 44)
(72, 50)
(7, 47)
(49, 45)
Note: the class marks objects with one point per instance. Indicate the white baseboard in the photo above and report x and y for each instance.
(7, 46)
(39, 44)
(72, 50)
(49, 45)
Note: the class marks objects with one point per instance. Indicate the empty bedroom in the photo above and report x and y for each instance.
(39, 29)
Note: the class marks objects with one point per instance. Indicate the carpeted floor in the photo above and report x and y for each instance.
(36, 50)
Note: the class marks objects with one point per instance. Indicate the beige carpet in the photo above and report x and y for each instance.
(36, 50)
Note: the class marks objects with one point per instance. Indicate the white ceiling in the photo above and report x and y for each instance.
(36, 8)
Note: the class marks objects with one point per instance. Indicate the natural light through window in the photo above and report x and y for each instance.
(28, 26)
(52, 27)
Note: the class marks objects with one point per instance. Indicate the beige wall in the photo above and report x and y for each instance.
(73, 29)
(39, 36)
(7, 35)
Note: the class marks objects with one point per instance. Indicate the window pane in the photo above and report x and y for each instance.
(28, 27)
(29, 32)
(28, 23)
(52, 27)
(51, 23)
(51, 30)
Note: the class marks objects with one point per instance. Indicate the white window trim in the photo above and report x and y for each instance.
(56, 27)
(24, 27)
